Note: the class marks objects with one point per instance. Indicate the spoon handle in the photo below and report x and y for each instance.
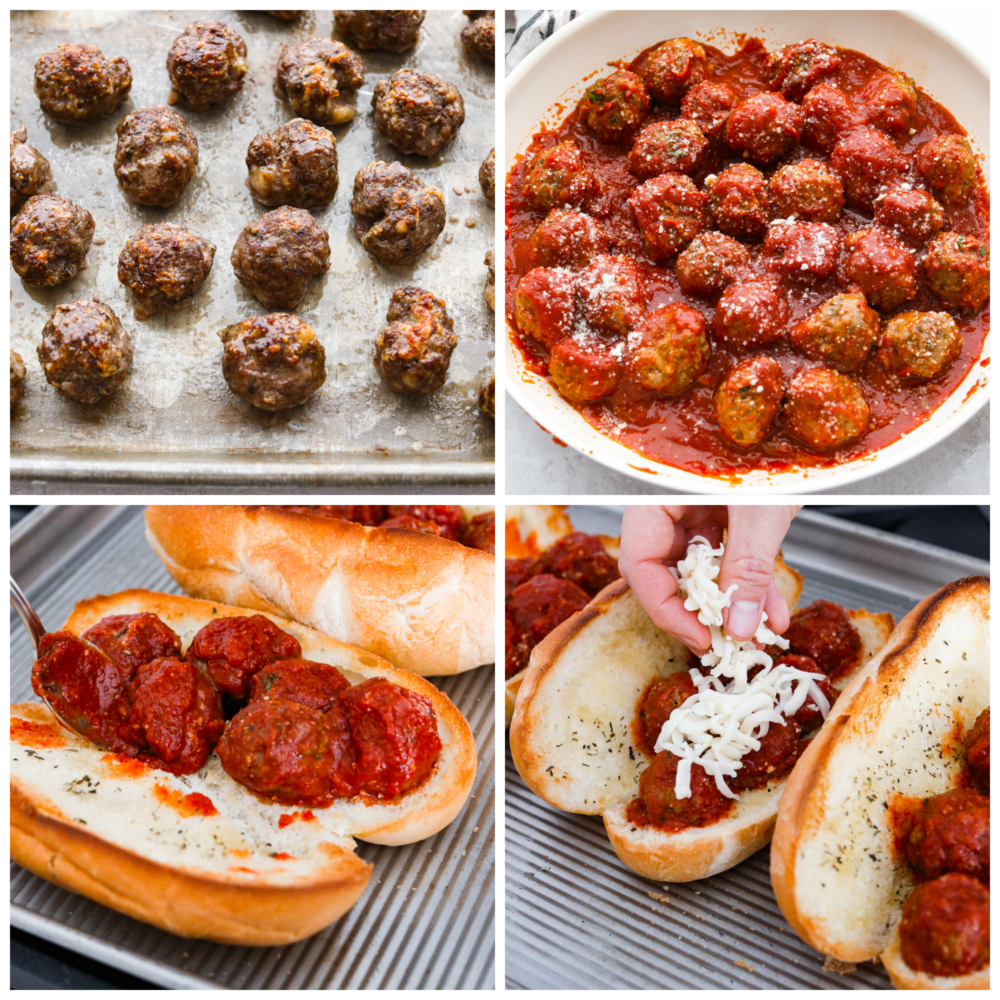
(27, 614)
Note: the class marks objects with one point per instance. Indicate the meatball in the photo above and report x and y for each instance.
(388, 30)
(132, 640)
(950, 832)
(316, 685)
(977, 752)
(708, 105)
(614, 108)
(825, 634)
(206, 63)
(49, 240)
(910, 213)
(557, 177)
(413, 352)
(662, 697)
(567, 239)
(30, 173)
(543, 304)
(490, 288)
(867, 162)
(676, 147)
(828, 115)
(674, 349)
(75, 83)
(583, 373)
(612, 294)
(156, 156)
(841, 332)
(798, 67)
(957, 271)
(669, 211)
(487, 177)
(765, 127)
(537, 605)
(748, 399)
(919, 344)
(416, 112)
(487, 398)
(807, 190)
(272, 362)
(670, 69)
(17, 373)
(581, 559)
(948, 165)
(738, 201)
(825, 409)
(163, 266)
(398, 216)
(882, 267)
(810, 716)
(320, 80)
(889, 102)
(657, 791)
(85, 352)
(710, 263)
(803, 250)
(774, 758)
(479, 37)
(296, 164)
(277, 255)
(751, 313)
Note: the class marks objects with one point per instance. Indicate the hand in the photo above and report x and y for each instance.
(654, 538)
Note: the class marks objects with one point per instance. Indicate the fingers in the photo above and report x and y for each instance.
(778, 616)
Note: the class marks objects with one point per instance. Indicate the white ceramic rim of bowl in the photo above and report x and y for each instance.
(535, 395)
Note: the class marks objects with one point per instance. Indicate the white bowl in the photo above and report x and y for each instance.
(544, 88)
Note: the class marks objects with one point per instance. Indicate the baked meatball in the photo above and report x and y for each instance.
(747, 400)
(957, 271)
(948, 165)
(413, 352)
(557, 177)
(30, 173)
(802, 250)
(272, 362)
(840, 332)
(163, 266)
(156, 156)
(612, 294)
(206, 63)
(417, 112)
(296, 164)
(614, 108)
(710, 263)
(889, 102)
(882, 267)
(567, 239)
(708, 105)
(669, 211)
(320, 80)
(765, 127)
(543, 304)
(479, 37)
(49, 239)
(490, 289)
(398, 216)
(911, 214)
(919, 344)
(672, 68)
(751, 313)
(85, 352)
(800, 66)
(807, 190)
(867, 163)
(738, 201)
(675, 147)
(75, 83)
(277, 255)
(487, 398)
(824, 408)
(388, 30)
(17, 373)
(583, 373)
(828, 115)
(674, 348)
(487, 177)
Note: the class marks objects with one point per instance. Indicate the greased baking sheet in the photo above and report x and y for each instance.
(425, 921)
(576, 918)
(175, 421)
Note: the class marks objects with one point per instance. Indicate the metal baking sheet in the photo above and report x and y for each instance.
(425, 920)
(175, 421)
(577, 918)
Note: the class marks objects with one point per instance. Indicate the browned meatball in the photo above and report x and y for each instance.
(612, 294)
(30, 173)
(798, 67)
(543, 304)
(748, 399)
(273, 361)
(840, 332)
(17, 373)
(738, 201)
(669, 211)
(296, 164)
(75, 83)
(824, 408)
(882, 267)
(583, 373)
(206, 63)
(557, 177)
(765, 126)
(614, 108)
(320, 79)
(708, 105)
(417, 112)
(910, 213)
(889, 102)
(388, 30)
(487, 177)
(49, 239)
(490, 290)
(675, 147)
(948, 165)
(710, 263)
(867, 162)
(164, 266)
(674, 348)
(957, 271)
(807, 190)
(479, 37)
(413, 352)
(277, 255)
(398, 216)
(85, 352)
(802, 250)
(919, 344)
(751, 313)
(156, 156)
(487, 398)
(567, 239)
(671, 68)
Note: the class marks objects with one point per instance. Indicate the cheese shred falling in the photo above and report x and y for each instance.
(728, 716)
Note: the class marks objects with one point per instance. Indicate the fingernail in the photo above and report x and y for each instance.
(744, 616)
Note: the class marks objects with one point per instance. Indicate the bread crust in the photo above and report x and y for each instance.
(422, 602)
(892, 731)
(293, 877)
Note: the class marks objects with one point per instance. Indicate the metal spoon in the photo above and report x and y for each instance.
(27, 614)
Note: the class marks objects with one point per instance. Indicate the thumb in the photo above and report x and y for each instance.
(755, 536)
